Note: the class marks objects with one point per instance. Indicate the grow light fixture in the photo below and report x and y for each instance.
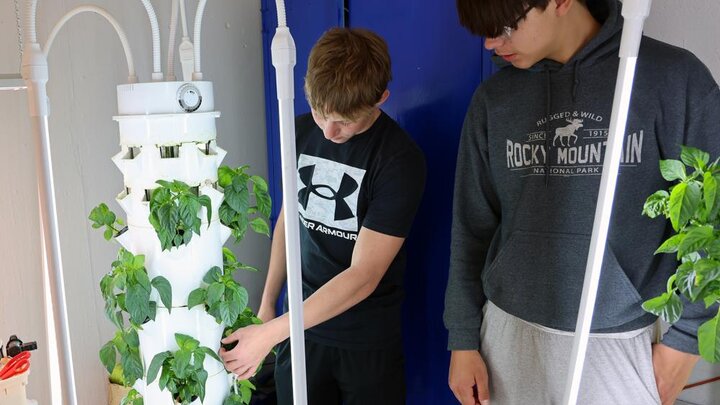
(634, 12)
(12, 82)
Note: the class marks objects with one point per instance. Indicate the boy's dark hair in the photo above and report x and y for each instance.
(489, 18)
(348, 71)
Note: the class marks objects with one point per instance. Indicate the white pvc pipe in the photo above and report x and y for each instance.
(132, 76)
(171, 41)
(197, 29)
(284, 57)
(157, 69)
(183, 19)
(35, 72)
(634, 12)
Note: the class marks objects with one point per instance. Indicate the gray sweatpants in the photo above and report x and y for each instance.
(528, 364)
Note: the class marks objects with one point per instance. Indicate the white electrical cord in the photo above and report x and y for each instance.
(197, 29)
(171, 42)
(132, 76)
(157, 70)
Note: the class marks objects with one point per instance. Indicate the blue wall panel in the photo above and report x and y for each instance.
(436, 67)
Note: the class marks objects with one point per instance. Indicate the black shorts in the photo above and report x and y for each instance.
(343, 376)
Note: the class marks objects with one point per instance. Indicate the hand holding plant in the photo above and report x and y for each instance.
(692, 206)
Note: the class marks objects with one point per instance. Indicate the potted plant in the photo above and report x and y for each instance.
(692, 206)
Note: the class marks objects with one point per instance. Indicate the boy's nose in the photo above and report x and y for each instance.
(493, 43)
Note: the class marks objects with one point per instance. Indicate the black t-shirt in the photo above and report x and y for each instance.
(374, 180)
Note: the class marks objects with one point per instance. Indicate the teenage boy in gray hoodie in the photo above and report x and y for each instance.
(527, 181)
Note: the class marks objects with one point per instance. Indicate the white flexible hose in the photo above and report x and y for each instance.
(132, 77)
(183, 18)
(280, 6)
(197, 74)
(171, 42)
(30, 33)
(157, 70)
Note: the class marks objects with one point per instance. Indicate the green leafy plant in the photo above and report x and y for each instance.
(224, 298)
(241, 394)
(102, 216)
(237, 211)
(181, 372)
(127, 289)
(692, 205)
(125, 345)
(132, 398)
(174, 213)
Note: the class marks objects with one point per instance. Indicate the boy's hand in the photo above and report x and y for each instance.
(468, 377)
(253, 344)
(672, 370)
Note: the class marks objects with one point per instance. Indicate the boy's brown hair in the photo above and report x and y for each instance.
(348, 71)
(489, 18)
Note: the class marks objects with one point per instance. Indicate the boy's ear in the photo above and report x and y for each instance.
(384, 97)
(562, 7)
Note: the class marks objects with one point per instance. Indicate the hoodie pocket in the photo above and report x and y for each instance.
(539, 276)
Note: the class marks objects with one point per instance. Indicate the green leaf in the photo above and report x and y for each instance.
(215, 292)
(107, 356)
(709, 339)
(197, 297)
(138, 303)
(671, 245)
(213, 275)
(260, 226)
(667, 306)
(672, 170)
(182, 339)
(710, 190)
(155, 365)
(164, 289)
(132, 368)
(226, 313)
(182, 360)
(202, 376)
(211, 353)
(684, 202)
(225, 176)
(694, 157)
(696, 239)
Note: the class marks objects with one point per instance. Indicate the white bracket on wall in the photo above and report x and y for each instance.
(12, 82)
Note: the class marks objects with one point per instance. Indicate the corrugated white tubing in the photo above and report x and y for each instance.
(197, 74)
(171, 41)
(132, 76)
(157, 69)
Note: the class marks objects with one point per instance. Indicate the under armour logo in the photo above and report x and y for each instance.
(348, 185)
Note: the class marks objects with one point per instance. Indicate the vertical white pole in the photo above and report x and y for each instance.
(35, 73)
(634, 12)
(283, 59)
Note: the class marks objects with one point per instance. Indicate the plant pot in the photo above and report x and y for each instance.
(192, 166)
(116, 393)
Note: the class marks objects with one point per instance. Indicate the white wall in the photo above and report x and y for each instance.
(86, 63)
(692, 25)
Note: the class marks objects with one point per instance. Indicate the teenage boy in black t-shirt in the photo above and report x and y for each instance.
(360, 181)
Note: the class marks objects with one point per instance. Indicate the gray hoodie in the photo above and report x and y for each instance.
(527, 179)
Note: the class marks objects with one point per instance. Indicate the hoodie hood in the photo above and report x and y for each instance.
(606, 42)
